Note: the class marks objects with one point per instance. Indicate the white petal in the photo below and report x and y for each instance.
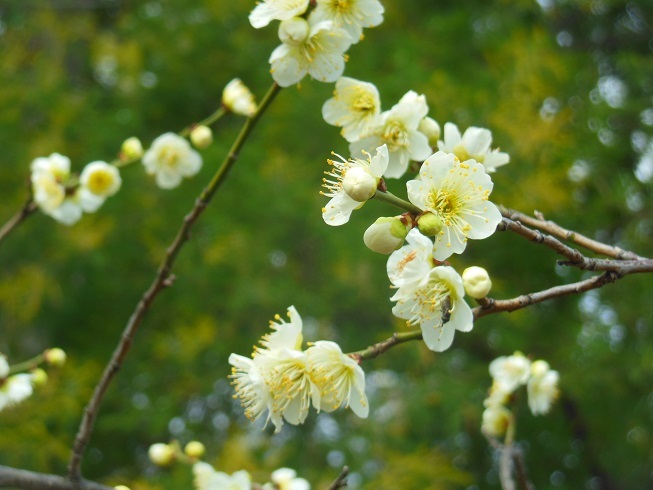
(327, 67)
(339, 209)
(437, 337)
(462, 317)
(418, 145)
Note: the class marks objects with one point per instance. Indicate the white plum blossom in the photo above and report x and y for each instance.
(398, 130)
(435, 303)
(309, 47)
(269, 10)
(351, 15)
(430, 128)
(237, 98)
(412, 262)
(97, 181)
(161, 454)
(169, 159)
(206, 478)
(456, 192)
(286, 479)
(510, 372)
(49, 177)
(355, 181)
(475, 144)
(340, 379)
(542, 388)
(15, 389)
(355, 107)
(477, 282)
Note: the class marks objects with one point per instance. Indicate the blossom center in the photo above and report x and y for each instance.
(168, 157)
(99, 182)
(395, 135)
(446, 203)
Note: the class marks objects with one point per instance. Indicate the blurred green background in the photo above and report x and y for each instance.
(565, 86)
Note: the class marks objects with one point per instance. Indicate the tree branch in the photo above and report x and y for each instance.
(563, 234)
(29, 480)
(28, 208)
(162, 279)
(341, 481)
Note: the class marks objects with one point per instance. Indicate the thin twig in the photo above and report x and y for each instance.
(28, 208)
(162, 279)
(520, 469)
(505, 466)
(377, 349)
(558, 231)
(341, 481)
(29, 480)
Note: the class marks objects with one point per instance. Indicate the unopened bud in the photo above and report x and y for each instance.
(539, 368)
(39, 377)
(194, 449)
(55, 357)
(201, 136)
(496, 419)
(121, 487)
(293, 31)
(237, 98)
(359, 184)
(131, 149)
(431, 129)
(161, 454)
(385, 235)
(476, 282)
(429, 224)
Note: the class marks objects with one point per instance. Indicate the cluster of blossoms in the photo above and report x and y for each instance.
(509, 373)
(283, 380)
(314, 42)
(207, 478)
(170, 158)
(14, 388)
(64, 196)
(406, 129)
(452, 198)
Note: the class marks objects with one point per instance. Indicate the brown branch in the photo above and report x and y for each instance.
(162, 279)
(28, 208)
(341, 481)
(563, 234)
(29, 480)
(379, 348)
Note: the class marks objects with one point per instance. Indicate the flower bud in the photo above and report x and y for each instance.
(539, 368)
(201, 136)
(359, 184)
(161, 454)
(131, 149)
(476, 282)
(496, 419)
(121, 487)
(293, 31)
(431, 129)
(194, 449)
(55, 357)
(39, 377)
(237, 98)
(385, 235)
(429, 224)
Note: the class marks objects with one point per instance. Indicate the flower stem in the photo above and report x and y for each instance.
(396, 201)
(26, 365)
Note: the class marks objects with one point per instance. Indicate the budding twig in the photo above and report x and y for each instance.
(160, 281)
(28, 208)
(341, 481)
(29, 480)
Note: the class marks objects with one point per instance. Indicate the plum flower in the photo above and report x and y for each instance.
(475, 144)
(308, 46)
(238, 98)
(206, 478)
(355, 107)
(412, 262)
(98, 181)
(457, 193)
(435, 303)
(15, 389)
(542, 387)
(355, 181)
(169, 159)
(269, 10)
(509, 372)
(340, 378)
(286, 479)
(351, 15)
(398, 129)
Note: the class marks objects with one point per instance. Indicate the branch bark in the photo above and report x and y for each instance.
(29, 480)
(162, 280)
(28, 208)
